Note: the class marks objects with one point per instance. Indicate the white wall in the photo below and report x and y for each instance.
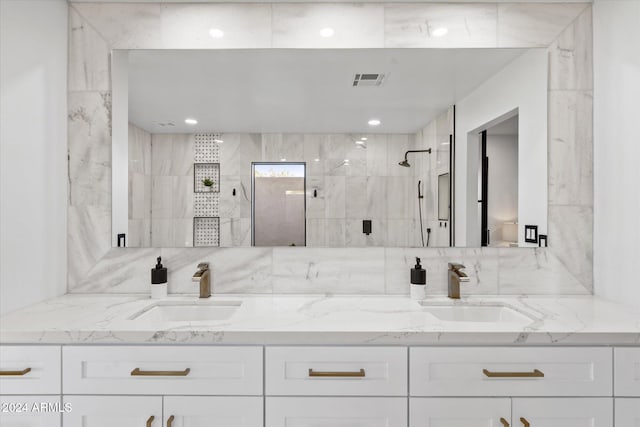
(521, 85)
(33, 148)
(617, 149)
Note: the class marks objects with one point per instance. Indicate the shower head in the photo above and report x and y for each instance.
(405, 162)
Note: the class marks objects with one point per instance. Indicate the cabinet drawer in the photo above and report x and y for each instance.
(205, 411)
(20, 411)
(627, 371)
(336, 411)
(505, 371)
(31, 369)
(163, 370)
(320, 371)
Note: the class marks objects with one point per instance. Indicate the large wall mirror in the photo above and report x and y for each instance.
(324, 147)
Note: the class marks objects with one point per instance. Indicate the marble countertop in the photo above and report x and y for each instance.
(312, 319)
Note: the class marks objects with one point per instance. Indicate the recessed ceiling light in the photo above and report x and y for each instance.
(440, 31)
(374, 122)
(360, 142)
(191, 121)
(364, 138)
(216, 33)
(316, 160)
(327, 32)
(346, 162)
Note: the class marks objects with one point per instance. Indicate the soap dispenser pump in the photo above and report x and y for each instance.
(159, 280)
(418, 281)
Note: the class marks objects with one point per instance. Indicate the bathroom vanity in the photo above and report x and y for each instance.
(309, 360)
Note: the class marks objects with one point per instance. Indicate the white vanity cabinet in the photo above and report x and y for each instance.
(627, 368)
(627, 412)
(328, 378)
(563, 411)
(30, 386)
(164, 370)
(29, 370)
(172, 386)
(218, 411)
(109, 411)
(506, 412)
(459, 412)
(30, 411)
(336, 412)
(511, 371)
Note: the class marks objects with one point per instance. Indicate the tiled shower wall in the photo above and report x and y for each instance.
(435, 136)
(94, 29)
(340, 194)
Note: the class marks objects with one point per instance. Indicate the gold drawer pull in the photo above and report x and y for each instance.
(359, 373)
(25, 371)
(150, 420)
(138, 373)
(534, 374)
(504, 422)
(170, 421)
(524, 422)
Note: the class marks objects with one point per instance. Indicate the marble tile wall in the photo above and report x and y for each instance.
(95, 29)
(172, 190)
(139, 235)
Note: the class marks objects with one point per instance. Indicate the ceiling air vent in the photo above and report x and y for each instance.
(371, 79)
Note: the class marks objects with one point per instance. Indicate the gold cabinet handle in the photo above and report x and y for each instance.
(533, 374)
(504, 422)
(359, 373)
(25, 371)
(170, 421)
(524, 422)
(150, 420)
(139, 373)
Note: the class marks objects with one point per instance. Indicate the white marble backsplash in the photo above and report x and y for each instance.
(565, 28)
(333, 271)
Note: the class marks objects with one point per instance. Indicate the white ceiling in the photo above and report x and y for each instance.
(302, 91)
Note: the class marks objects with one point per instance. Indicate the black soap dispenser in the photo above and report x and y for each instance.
(418, 281)
(159, 280)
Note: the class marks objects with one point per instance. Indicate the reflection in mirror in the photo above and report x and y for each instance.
(279, 211)
(498, 183)
(390, 140)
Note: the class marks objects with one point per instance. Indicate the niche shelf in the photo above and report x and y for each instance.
(206, 170)
(206, 231)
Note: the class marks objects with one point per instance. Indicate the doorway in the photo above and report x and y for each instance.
(498, 184)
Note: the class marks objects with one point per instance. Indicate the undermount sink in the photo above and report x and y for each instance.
(487, 313)
(187, 311)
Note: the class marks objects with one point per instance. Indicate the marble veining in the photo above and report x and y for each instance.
(416, 25)
(94, 319)
(95, 29)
